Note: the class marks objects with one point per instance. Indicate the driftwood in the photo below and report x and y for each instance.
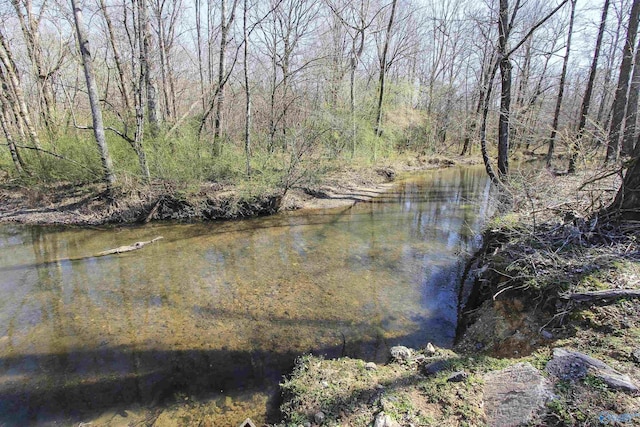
(601, 295)
(128, 248)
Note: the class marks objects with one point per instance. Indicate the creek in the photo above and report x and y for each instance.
(214, 314)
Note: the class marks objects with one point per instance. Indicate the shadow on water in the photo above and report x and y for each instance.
(70, 393)
(221, 310)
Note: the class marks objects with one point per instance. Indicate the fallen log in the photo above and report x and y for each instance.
(128, 248)
(602, 295)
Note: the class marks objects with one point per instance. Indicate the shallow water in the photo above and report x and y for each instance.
(215, 313)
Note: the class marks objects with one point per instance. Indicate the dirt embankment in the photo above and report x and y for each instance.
(91, 205)
(529, 351)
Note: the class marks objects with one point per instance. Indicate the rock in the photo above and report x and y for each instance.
(572, 365)
(319, 417)
(635, 355)
(430, 350)
(515, 395)
(401, 353)
(435, 367)
(384, 420)
(370, 366)
(457, 377)
(546, 335)
(388, 173)
(324, 384)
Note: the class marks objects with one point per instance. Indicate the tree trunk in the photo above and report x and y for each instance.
(96, 113)
(631, 116)
(247, 116)
(29, 25)
(16, 89)
(222, 73)
(142, 90)
(117, 58)
(563, 76)
(620, 100)
(4, 122)
(627, 202)
(149, 84)
(586, 101)
(355, 59)
(505, 93)
(383, 70)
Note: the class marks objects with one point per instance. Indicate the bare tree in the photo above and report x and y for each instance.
(96, 112)
(29, 24)
(225, 26)
(586, 100)
(631, 117)
(13, 84)
(563, 76)
(620, 100)
(383, 69)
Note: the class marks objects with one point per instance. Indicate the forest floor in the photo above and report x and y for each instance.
(529, 352)
(90, 204)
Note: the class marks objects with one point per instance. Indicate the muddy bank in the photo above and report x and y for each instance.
(527, 352)
(161, 201)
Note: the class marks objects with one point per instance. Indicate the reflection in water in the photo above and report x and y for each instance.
(220, 310)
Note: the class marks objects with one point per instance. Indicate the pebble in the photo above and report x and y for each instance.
(319, 417)
(457, 377)
(546, 335)
(370, 366)
(430, 350)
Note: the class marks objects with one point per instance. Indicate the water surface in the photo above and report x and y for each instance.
(215, 313)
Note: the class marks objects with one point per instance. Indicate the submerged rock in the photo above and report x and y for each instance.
(401, 353)
(572, 365)
(515, 395)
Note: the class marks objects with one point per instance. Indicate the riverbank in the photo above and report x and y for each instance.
(89, 204)
(536, 346)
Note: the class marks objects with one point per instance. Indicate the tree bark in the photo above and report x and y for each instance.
(563, 76)
(586, 100)
(620, 100)
(505, 92)
(96, 113)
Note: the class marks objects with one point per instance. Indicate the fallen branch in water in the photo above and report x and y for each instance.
(128, 248)
(600, 295)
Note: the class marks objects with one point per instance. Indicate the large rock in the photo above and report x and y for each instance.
(572, 365)
(515, 395)
(401, 353)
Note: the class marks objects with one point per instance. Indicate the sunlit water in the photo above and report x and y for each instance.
(216, 312)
